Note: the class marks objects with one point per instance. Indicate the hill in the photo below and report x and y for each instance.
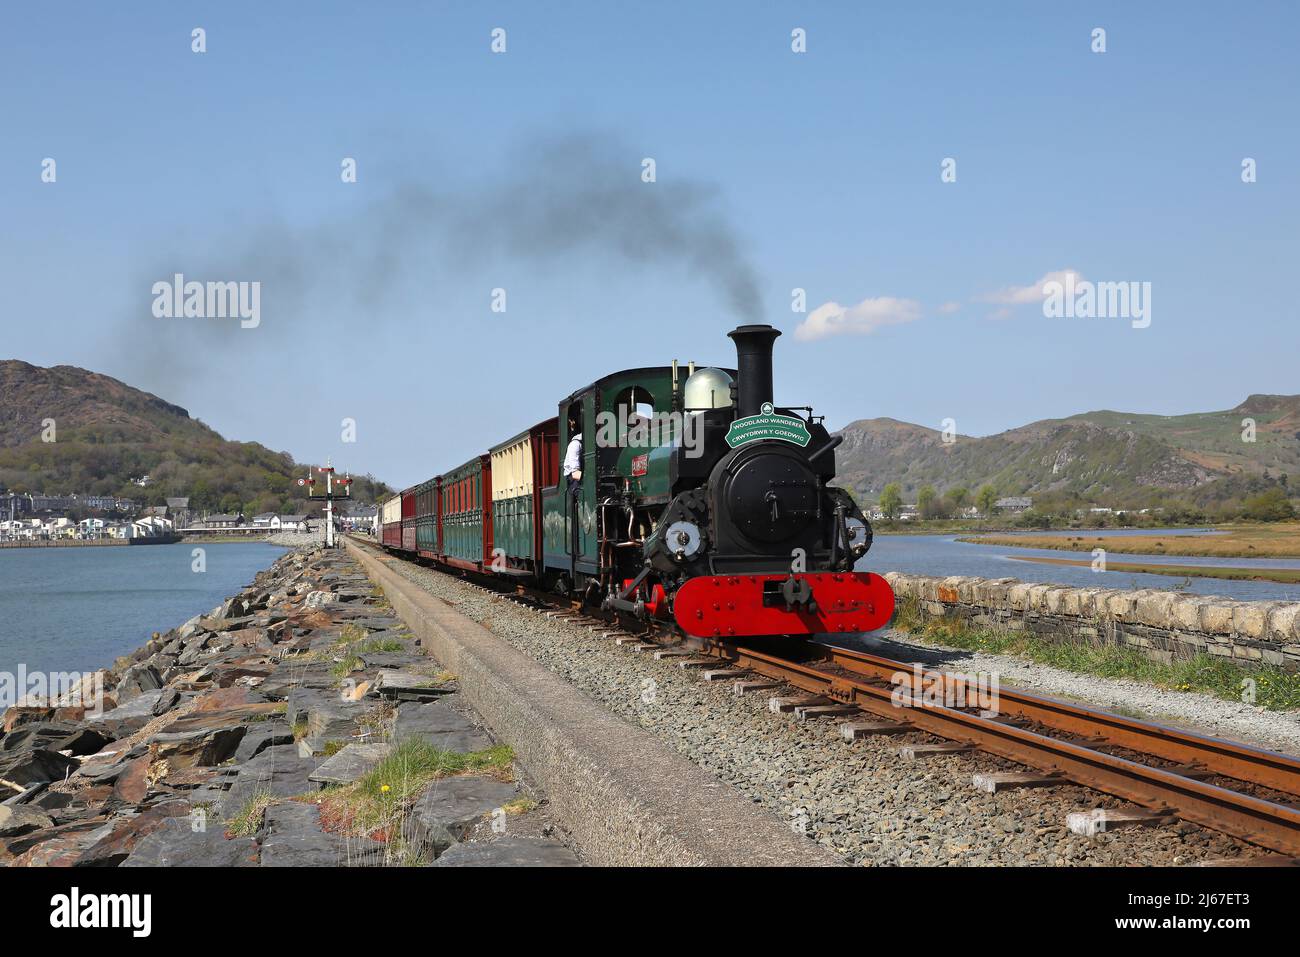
(107, 433)
(1097, 456)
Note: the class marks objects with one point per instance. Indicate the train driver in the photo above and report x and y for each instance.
(572, 468)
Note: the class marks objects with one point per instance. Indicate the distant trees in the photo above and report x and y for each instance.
(984, 500)
(891, 501)
(927, 502)
(1271, 505)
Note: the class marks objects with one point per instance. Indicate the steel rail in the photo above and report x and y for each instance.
(1264, 823)
(1271, 769)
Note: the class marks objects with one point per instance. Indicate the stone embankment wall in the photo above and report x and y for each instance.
(1162, 624)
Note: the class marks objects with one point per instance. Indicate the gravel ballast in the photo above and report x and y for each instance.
(857, 799)
(1275, 730)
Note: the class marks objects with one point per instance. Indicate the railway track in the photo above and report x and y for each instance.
(1168, 774)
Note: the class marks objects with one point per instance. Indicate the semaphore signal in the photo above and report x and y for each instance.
(332, 487)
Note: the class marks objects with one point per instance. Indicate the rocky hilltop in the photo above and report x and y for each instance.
(108, 433)
(1091, 454)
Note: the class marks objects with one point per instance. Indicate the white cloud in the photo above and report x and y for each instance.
(832, 319)
(948, 308)
(1024, 295)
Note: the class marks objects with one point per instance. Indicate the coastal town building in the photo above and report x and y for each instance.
(178, 510)
(360, 518)
(224, 521)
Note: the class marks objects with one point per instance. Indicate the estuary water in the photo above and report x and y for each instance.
(943, 555)
(78, 608)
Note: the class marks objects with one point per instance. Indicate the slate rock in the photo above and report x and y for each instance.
(278, 770)
(509, 852)
(332, 719)
(56, 847)
(292, 837)
(203, 747)
(16, 819)
(389, 659)
(130, 717)
(81, 742)
(136, 680)
(125, 833)
(175, 843)
(410, 685)
(41, 734)
(131, 785)
(349, 764)
(167, 699)
(300, 700)
(450, 807)
(427, 719)
(261, 736)
(17, 715)
(35, 765)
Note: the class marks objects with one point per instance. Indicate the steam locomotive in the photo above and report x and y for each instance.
(696, 500)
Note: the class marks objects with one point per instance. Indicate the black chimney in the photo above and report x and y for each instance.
(753, 366)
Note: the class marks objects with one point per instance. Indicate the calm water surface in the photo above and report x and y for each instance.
(76, 609)
(944, 555)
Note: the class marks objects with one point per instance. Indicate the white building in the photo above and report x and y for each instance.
(90, 528)
(151, 527)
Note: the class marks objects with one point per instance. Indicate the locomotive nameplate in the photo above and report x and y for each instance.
(768, 425)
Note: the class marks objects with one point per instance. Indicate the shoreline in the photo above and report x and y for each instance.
(270, 731)
(1283, 576)
(287, 539)
(1265, 540)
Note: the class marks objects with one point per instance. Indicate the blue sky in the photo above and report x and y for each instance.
(822, 168)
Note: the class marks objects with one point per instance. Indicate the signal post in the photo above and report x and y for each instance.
(335, 488)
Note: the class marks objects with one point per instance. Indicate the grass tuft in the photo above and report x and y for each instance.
(376, 804)
(520, 805)
(1274, 689)
(249, 819)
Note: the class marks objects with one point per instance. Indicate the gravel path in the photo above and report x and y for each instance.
(1276, 730)
(857, 798)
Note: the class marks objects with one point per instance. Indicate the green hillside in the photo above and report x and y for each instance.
(107, 433)
(1118, 458)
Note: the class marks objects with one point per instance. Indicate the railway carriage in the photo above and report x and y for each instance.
(426, 518)
(522, 469)
(408, 520)
(699, 500)
(390, 522)
(467, 514)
